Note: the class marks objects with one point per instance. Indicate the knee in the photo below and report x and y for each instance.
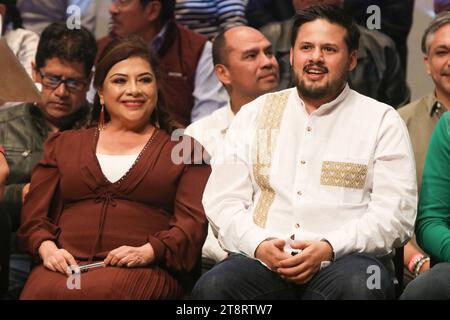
(369, 281)
(432, 284)
(211, 286)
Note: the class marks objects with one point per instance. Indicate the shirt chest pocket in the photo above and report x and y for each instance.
(343, 180)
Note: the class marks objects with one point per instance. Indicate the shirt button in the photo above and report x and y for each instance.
(299, 193)
(303, 162)
(309, 129)
(297, 225)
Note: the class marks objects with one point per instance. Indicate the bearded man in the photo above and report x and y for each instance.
(315, 185)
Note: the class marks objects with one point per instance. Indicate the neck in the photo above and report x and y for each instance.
(312, 105)
(237, 102)
(122, 127)
(443, 98)
(150, 33)
(53, 128)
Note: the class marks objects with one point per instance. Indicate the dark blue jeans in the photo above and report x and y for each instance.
(433, 284)
(241, 278)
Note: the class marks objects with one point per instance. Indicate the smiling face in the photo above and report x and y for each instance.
(321, 60)
(129, 92)
(437, 61)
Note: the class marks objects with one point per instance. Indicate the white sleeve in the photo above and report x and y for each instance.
(229, 193)
(389, 220)
(209, 94)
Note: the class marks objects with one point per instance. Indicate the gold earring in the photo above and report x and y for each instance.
(101, 118)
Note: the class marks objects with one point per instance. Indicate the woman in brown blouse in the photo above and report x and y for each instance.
(114, 193)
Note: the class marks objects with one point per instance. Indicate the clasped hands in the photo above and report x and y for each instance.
(59, 260)
(297, 269)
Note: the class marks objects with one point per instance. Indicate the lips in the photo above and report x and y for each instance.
(315, 69)
(268, 75)
(58, 104)
(133, 103)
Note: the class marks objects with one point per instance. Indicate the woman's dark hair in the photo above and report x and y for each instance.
(12, 14)
(122, 48)
(332, 14)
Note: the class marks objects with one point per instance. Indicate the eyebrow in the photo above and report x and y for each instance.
(323, 45)
(125, 75)
(254, 50)
(442, 46)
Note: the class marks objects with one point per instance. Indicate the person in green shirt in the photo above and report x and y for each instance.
(433, 218)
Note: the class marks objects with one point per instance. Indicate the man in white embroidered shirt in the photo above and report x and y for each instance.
(311, 175)
(245, 64)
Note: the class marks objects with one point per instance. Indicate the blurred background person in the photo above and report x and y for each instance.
(432, 228)
(396, 19)
(210, 17)
(23, 43)
(422, 115)
(63, 66)
(37, 14)
(262, 12)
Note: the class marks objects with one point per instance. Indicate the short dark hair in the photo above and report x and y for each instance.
(12, 14)
(122, 48)
(438, 22)
(218, 46)
(332, 14)
(167, 8)
(58, 41)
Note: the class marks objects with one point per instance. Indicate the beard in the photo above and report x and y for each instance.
(316, 91)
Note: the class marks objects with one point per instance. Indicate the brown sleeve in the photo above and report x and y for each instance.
(179, 248)
(36, 225)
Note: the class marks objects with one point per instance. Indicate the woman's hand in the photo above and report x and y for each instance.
(126, 256)
(56, 259)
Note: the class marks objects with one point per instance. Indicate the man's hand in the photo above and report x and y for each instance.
(126, 256)
(271, 252)
(25, 190)
(4, 172)
(55, 259)
(302, 267)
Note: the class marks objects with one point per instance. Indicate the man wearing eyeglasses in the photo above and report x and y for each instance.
(63, 65)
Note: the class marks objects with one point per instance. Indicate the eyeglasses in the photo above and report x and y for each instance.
(53, 82)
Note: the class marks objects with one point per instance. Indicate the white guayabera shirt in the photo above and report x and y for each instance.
(345, 173)
(210, 131)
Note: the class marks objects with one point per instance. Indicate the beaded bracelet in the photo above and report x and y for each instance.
(413, 261)
(419, 265)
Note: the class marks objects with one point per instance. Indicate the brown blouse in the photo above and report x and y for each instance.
(72, 203)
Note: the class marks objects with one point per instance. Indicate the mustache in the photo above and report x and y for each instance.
(316, 65)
